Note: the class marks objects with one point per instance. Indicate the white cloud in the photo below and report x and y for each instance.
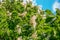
(56, 5)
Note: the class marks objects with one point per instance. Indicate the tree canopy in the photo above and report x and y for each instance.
(20, 21)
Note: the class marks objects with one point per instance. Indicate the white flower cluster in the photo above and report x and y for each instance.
(25, 1)
(34, 35)
(9, 14)
(28, 1)
(19, 38)
(23, 14)
(18, 29)
(33, 21)
(43, 16)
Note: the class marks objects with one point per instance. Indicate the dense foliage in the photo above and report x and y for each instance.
(20, 21)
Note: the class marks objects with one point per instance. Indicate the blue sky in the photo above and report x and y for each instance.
(49, 4)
